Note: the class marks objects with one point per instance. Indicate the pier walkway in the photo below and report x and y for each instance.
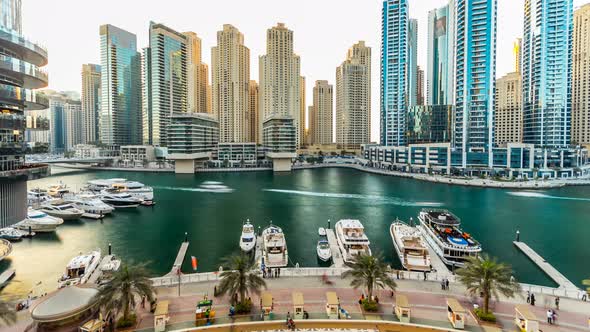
(336, 255)
(179, 259)
(437, 264)
(552, 272)
(258, 250)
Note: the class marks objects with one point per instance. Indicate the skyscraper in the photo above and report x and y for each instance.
(475, 76)
(197, 75)
(581, 77)
(394, 76)
(420, 88)
(66, 122)
(353, 98)
(168, 80)
(254, 111)
(230, 67)
(120, 105)
(302, 108)
(90, 102)
(412, 62)
(320, 123)
(280, 79)
(546, 72)
(508, 112)
(440, 50)
(516, 52)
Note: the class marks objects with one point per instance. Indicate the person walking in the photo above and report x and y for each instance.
(557, 303)
(442, 284)
(549, 317)
(528, 297)
(533, 299)
(553, 316)
(446, 283)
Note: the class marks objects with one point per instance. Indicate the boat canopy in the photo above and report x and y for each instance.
(441, 217)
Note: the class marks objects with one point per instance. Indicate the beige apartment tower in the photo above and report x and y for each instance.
(280, 79)
(197, 76)
(353, 98)
(253, 111)
(90, 102)
(517, 54)
(508, 113)
(320, 121)
(230, 68)
(302, 111)
(581, 77)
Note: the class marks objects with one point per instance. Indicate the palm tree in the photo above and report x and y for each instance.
(586, 282)
(120, 293)
(370, 272)
(7, 313)
(488, 277)
(241, 277)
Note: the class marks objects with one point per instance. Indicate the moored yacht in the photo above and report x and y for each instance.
(39, 222)
(323, 249)
(248, 237)
(11, 234)
(133, 188)
(102, 184)
(274, 248)
(119, 201)
(37, 197)
(61, 209)
(441, 230)
(58, 190)
(5, 248)
(410, 246)
(89, 204)
(351, 239)
(79, 269)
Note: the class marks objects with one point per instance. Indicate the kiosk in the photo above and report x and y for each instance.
(401, 308)
(525, 319)
(203, 314)
(455, 313)
(266, 303)
(161, 316)
(297, 305)
(332, 305)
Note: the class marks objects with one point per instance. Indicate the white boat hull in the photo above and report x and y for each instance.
(65, 215)
(37, 228)
(247, 246)
(412, 267)
(324, 254)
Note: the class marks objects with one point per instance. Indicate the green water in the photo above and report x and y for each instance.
(553, 222)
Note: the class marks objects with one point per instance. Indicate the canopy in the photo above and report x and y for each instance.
(297, 299)
(402, 301)
(525, 312)
(64, 303)
(455, 306)
(332, 298)
(266, 299)
(162, 308)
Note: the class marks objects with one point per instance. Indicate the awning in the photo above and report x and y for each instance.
(455, 306)
(297, 299)
(63, 304)
(332, 298)
(266, 299)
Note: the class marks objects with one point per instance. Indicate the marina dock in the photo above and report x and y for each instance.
(336, 256)
(258, 250)
(5, 276)
(437, 264)
(552, 272)
(179, 258)
(98, 272)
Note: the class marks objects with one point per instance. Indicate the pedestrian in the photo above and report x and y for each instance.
(442, 284)
(397, 272)
(279, 272)
(532, 299)
(549, 316)
(446, 283)
(288, 315)
(553, 316)
(528, 297)
(557, 303)
(424, 275)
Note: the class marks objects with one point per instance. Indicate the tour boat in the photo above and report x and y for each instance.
(351, 239)
(79, 269)
(274, 251)
(321, 231)
(57, 190)
(215, 186)
(11, 234)
(102, 184)
(119, 201)
(5, 248)
(89, 203)
(39, 222)
(323, 249)
(248, 237)
(61, 209)
(441, 230)
(410, 246)
(37, 197)
(133, 188)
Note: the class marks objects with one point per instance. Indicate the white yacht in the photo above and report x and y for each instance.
(248, 237)
(321, 231)
(79, 269)
(214, 186)
(37, 197)
(410, 246)
(133, 188)
(120, 201)
(5, 248)
(102, 184)
(11, 234)
(61, 209)
(351, 239)
(39, 222)
(440, 229)
(89, 204)
(58, 189)
(323, 249)
(274, 249)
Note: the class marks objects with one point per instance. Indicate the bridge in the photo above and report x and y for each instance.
(100, 160)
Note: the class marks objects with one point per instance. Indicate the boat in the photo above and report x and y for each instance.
(61, 209)
(441, 229)
(321, 231)
(5, 248)
(410, 246)
(11, 234)
(214, 186)
(274, 248)
(120, 201)
(39, 222)
(58, 189)
(351, 239)
(98, 185)
(134, 188)
(323, 249)
(79, 269)
(248, 237)
(89, 203)
(37, 197)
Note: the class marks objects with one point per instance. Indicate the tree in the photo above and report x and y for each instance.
(7, 313)
(369, 272)
(126, 284)
(241, 278)
(488, 277)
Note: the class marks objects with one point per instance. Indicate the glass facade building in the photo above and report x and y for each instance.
(120, 110)
(192, 133)
(546, 72)
(429, 124)
(279, 135)
(394, 76)
(413, 62)
(441, 39)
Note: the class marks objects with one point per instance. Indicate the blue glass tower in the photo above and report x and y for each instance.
(441, 39)
(475, 74)
(394, 64)
(547, 72)
(412, 62)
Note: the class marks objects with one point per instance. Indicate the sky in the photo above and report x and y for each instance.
(323, 31)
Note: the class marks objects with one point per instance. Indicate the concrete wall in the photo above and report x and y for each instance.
(184, 166)
(13, 201)
(281, 165)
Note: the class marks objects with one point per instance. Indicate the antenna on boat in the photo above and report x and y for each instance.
(411, 221)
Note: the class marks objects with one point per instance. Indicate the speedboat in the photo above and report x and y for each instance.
(214, 186)
(274, 249)
(351, 239)
(5, 248)
(39, 222)
(61, 209)
(102, 184)
(321, 231)
(89, 203)
(58, 189)
(134, 188)
(120, 201)
(441, 230)
(248, 237)
(410, 246)
(11, 234)
(323, 249)
(79, 269)
(37, 197)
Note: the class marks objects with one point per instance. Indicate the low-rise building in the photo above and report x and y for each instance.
(191, 137)
(238, 154)
(280, 141)
(136, 155)
(90, 151)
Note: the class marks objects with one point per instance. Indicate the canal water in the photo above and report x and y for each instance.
(553, 222)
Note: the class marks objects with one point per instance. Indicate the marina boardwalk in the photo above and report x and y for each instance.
(179, 258)
(336, 256)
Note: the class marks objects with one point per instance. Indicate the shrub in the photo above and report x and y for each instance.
(129, 322)
(370, 306)
(244, 307)
(486, 317)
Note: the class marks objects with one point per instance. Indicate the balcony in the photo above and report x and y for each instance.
(28, 50)
(27, 172)
(30, 100)
(32, 76)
